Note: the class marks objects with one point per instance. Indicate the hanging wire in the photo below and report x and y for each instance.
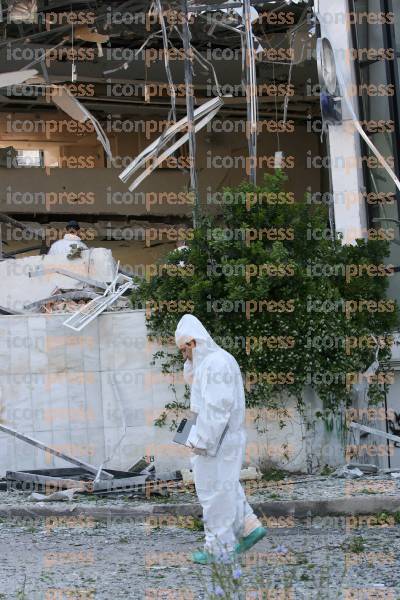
(188, 67)
(73, 71)
(276, 111)
(41, 58)
(286, 101)
(172, 114)
(251, 90)
(126, 63)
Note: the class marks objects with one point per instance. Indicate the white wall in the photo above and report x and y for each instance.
(74, 390)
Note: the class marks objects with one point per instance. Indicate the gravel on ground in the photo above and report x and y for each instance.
(319, 558)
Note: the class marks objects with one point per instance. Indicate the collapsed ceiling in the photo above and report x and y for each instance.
(124, 24)
(105, 45)
(98, 60)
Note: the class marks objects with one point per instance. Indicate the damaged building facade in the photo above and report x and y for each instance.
(100, 113)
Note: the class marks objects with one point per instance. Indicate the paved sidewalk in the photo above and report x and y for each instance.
(298, 496)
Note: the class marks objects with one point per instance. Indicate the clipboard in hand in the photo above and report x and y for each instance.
(183, 432)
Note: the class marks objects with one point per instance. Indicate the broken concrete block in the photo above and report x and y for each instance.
(346, 472)
(61, 496)
(250, 473)
(365, 468)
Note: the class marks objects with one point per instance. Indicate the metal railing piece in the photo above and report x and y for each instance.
(85, 315)
(50, 450)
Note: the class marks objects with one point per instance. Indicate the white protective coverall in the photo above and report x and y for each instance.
(64, 246)
(217, 396)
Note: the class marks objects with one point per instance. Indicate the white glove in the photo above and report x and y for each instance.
(198, 451)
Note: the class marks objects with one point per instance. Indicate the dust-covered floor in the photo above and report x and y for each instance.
(326, 558)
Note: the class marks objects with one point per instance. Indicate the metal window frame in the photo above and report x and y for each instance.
(392, 77)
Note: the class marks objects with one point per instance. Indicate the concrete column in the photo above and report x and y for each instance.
(344, 143)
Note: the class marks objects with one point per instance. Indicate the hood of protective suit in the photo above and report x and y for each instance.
(190, 328)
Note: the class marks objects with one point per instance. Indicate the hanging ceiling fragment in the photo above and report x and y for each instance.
(240, 24)
(202, 115)
(86, 34)
(16, 77)
(63, 98)
(22, 11)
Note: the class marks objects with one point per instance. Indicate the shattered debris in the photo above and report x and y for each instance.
(374, 431)
(69, 481)
(347, 472)
(150, 155)
(63, 98)
(22, 11)
(62, 496)
(83, 32)
(62, 484)
(66, 306)
(53, 451)
(140, 465)
(86, 313)
(56, 302)
(365, 468)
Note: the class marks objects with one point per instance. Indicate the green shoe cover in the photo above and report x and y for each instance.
(202, 558)
(247, 542)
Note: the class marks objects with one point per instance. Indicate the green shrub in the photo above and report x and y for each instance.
(226, 282)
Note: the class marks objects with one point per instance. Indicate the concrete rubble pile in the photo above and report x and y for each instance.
(58, 284)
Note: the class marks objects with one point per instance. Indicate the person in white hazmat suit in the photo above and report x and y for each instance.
(217, 397)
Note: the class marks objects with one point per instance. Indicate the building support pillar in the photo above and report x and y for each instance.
(345, 155)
